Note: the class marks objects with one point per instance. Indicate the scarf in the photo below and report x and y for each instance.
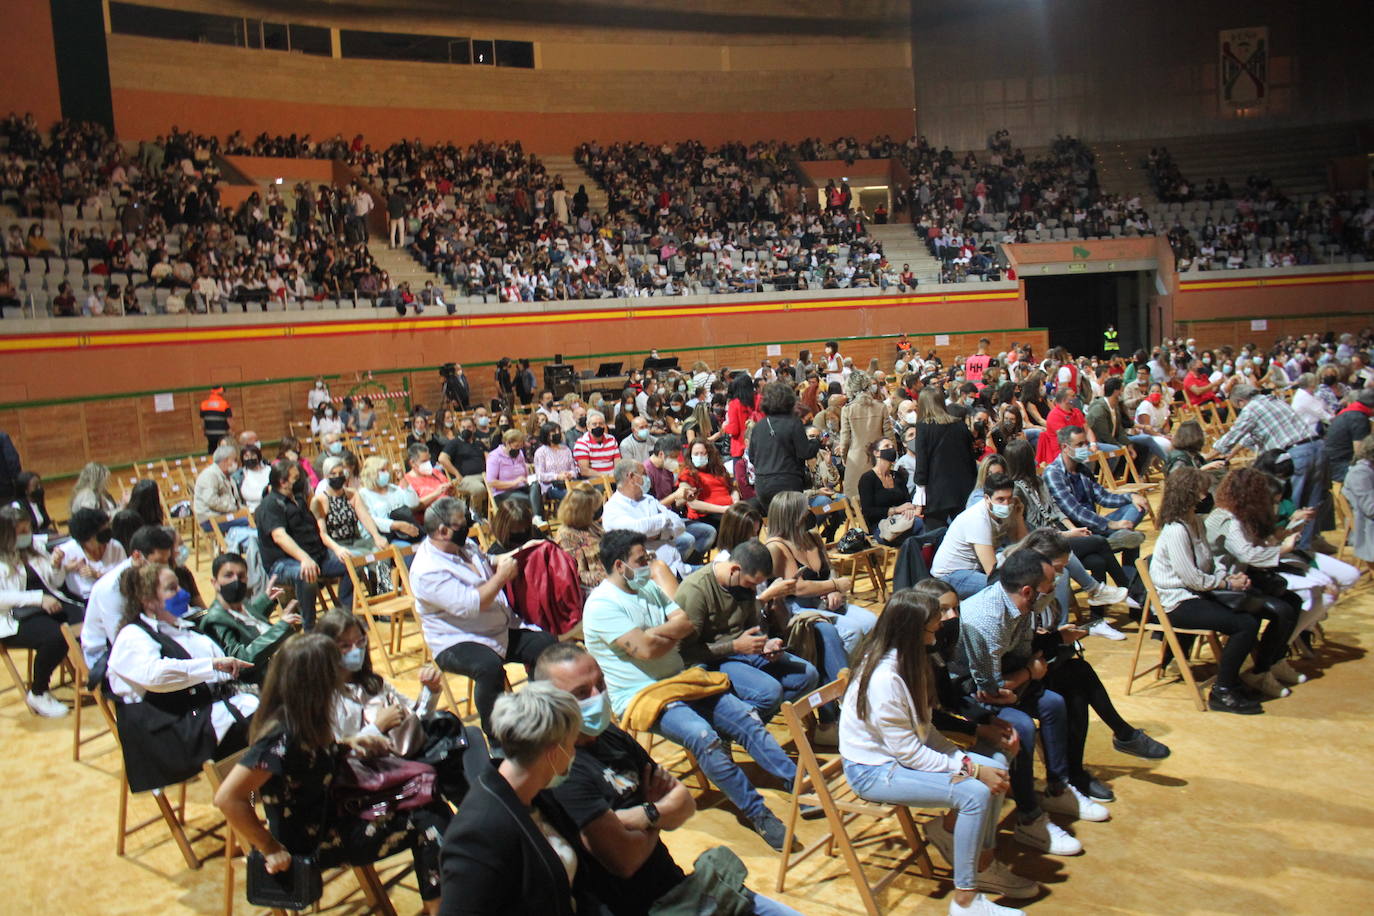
(1357, 407)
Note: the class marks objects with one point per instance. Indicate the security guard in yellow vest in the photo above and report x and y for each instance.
(1109, 345)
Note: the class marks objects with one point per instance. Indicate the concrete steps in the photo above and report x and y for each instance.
(573, 175)
(901, 246)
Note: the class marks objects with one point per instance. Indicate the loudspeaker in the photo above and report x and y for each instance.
(559, 378)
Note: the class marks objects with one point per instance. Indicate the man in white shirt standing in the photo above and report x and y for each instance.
(459, 596)
(631, 508)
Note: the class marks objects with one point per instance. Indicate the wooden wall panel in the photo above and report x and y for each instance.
(53, 437)
(1238, 333)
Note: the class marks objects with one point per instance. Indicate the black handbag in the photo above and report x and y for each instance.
(853, 541)
(294, 889)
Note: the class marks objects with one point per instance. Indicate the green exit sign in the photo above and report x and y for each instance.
(1077, 268)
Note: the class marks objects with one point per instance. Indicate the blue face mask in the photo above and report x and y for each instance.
(335, 448)
(383, 478)
(638, 578)
(999, 510)
(596, 713)
(178, 604)
(183, 554)
(353, 658)
(1083, 454)
(559, 778)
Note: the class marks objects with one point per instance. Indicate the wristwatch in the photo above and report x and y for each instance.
(651, 812)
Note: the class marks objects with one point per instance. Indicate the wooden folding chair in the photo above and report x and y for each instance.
(373, 888)
(871, 561)
(1153, 619)
(824, 784)
(81, 674)
(394, 604)
(1345, 522)
(1104, 467)
(675, 758)
(21, 684)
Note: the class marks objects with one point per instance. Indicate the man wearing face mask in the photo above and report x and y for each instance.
(1078, 494)
(459, 595)
(636, 446)
(620, 799)
(464, 460)
(632, 508)
(293, 547)
(215, 493)
(633, 630)
(998, 666)
(241, 624)
(596, 453)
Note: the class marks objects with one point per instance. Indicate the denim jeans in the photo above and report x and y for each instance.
(700, 724)
(764, 906)
(686, 542)
(289, 571)
(1152, 445)
(1119, 538)
(1048, 707)
(974, 830)
(1308, 488)
(966, 582)
(703, 536)
(765, 683)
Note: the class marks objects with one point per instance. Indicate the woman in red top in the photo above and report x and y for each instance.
(705, 473)
(1065, 412)
(741, 411)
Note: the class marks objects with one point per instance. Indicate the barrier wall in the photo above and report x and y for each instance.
(28, 62)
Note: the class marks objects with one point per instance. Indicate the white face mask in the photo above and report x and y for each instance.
(425, 468)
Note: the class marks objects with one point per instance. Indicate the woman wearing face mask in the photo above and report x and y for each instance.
(325, 421)
(365, 420)
(968, 553)
(251, 477)
(29, 496)
(290, 449)
(507, 474)
(1067, 411)
(511, 848)
(32, 607)
(318, 396)
(340, 512)
(294, 756)
(425, 479)
(885, 494)
(894, 754)
(512, 526)
(714, 489)
(392, 508)
(91, 552)
(159, 668)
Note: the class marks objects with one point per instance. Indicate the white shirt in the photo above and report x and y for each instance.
(1310, 409)
(104, 610)
(650, 518)
(1155, 417)
(77, 584)
(137, 667)
(970, 527)
(893, 731)
(448, 603)
(254, 484)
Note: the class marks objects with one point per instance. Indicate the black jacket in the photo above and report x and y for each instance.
(944, 465)
(495, 862)
(779, 450)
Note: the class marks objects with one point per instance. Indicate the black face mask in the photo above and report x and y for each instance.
(104, 536)
(467, 434)
(1205, 505)
(740, 592)
(947, 637)
(233, 592)
(887, 454)
(596, 432)
(337, 483)
(514, 452)
(37, 494)
(252, 464)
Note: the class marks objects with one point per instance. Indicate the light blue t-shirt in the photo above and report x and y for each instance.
(609, 614)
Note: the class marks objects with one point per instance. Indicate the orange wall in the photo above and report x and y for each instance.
(1274, 296)
(141, 114)
(98, 362)
(30, 62)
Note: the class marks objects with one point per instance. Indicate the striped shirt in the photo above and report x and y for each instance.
(1182, 566)
(1265, 423)
(600, 456)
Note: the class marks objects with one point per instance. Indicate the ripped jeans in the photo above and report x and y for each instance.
(699, 725)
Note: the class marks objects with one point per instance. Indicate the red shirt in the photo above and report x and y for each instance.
(710, 489)
(1192, 380)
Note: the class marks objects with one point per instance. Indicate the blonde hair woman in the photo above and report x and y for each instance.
(861, 422)
(391, 507)
(580, 531)
(92, 489)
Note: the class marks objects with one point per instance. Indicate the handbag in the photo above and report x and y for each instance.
(893, 526)
(294, 889)
(375, 787)
(853, 541)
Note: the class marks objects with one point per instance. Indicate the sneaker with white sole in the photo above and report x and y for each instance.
(1287, 674)
(982, 906)
(1133, 604)
(1100, 627)
(1001, 881)
(46, 705)
(1106, 594)
(1047, 836)
(1268, 685)
(1075, 804)
(941, 839)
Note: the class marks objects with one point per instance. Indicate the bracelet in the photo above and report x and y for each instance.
(976, 770)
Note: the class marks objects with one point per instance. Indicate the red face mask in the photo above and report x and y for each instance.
(1155, 398)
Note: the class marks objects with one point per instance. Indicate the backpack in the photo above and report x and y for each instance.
(548, 591)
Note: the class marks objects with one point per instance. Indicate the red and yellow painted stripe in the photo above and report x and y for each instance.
(1190, 286)
(28, 343)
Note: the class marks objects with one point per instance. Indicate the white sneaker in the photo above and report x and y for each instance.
(46, 705)
(1047, 836)
(982, 906)
(941, 839)
(1001, 881)
(1133, 604)
(1075, 804)
(1106, 594)
(1100, 627)
(538, 521)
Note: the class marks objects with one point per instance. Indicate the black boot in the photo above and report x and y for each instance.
(1231, 699)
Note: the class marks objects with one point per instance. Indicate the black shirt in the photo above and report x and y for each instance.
(605, 776)
(277, 511)
(467, 457)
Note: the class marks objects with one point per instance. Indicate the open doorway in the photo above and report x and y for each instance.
(1077, 308)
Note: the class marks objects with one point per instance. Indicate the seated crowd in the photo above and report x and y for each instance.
(663, 563)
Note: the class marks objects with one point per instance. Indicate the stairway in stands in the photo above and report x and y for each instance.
(901, 246)
(401, 266)
(573, 175)
(1119, 170)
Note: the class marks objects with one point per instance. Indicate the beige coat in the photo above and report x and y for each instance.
(862, 422)
(215, 493)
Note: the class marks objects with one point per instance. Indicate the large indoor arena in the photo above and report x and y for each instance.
(640, 458)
